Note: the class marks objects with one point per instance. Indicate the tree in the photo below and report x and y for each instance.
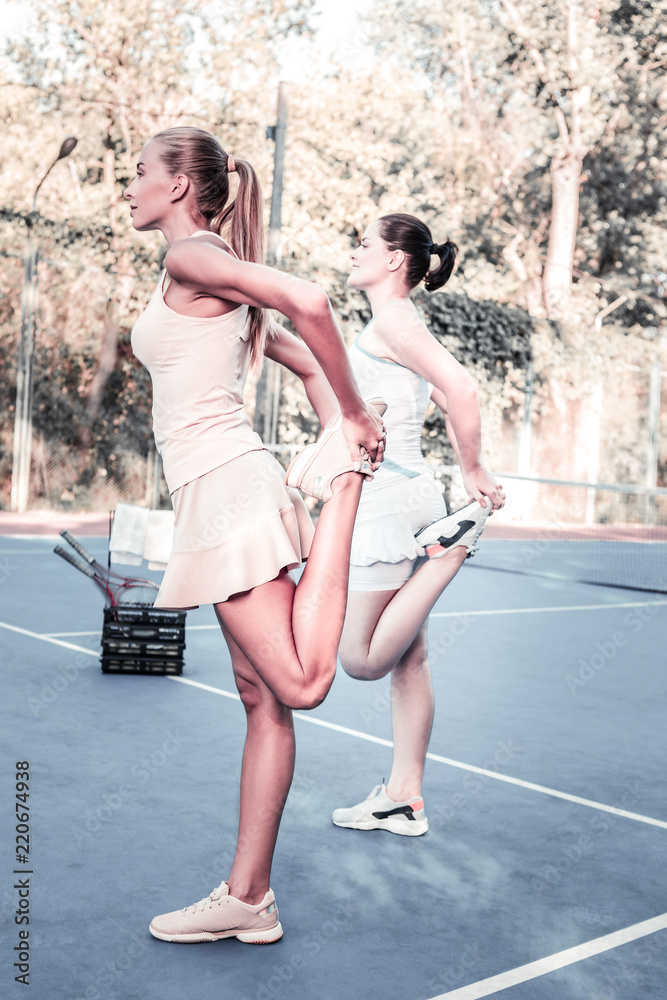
(538, 89)
(113, 75)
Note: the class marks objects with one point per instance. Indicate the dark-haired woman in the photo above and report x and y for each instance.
(405, 549)
(238, 531)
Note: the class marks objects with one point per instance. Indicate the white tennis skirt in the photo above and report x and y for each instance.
(235, 528)
(392, 510)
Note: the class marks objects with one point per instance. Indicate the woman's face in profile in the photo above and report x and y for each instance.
(369, 260)
(150, 192)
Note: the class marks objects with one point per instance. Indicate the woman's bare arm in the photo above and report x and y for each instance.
(210, 270)
(477, 480)
(291, 352)
(408, 342)
(440, 401)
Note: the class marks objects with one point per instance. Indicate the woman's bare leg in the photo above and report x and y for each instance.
(283, 641)
(386, 631)
(412, 707)
(266, 776)
(290, 634)
(381, 626)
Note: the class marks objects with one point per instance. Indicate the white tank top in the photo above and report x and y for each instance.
(407, 395)
(198, 367)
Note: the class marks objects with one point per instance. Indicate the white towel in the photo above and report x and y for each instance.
(159, 538)
(138, 533)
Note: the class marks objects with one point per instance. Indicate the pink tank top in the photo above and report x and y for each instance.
(198, 367)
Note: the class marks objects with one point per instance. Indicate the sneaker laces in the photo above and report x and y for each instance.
(213, 897)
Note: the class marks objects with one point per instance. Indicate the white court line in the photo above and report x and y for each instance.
(59, 635)
(543, 789)
(529, 611)
(200, 628)
(529, 785)
(46, 638)
(561, 959)
(461, 614)
(203, 687)
(190, 628)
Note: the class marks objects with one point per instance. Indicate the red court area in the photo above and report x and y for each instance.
(576, 532)
(52, 522)
(45, 522)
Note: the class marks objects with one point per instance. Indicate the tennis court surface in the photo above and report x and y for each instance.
(542, 874)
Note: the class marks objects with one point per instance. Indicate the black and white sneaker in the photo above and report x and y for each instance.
(379, 812)
(462, 527)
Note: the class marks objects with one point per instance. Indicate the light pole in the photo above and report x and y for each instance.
(24, 369)
(267, 400)
(277, 133)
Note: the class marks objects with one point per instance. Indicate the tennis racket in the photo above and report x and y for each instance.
(117, 589)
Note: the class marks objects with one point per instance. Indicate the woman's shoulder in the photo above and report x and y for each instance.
(191, 259)
(208, 237)
(397, 324)
(395, 309)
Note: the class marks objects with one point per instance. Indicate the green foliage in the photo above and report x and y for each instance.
(481, 333)
(452, 122)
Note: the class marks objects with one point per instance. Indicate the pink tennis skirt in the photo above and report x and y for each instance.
(235, 528)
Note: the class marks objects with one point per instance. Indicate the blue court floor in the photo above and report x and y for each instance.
(542, 876)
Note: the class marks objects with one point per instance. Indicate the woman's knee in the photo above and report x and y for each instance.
(304, 696)
(362, 669)
(290, 692)
(256, 696)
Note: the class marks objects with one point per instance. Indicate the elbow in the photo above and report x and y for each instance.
(468, 391)
(313, 303)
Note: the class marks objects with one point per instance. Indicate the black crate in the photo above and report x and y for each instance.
(141, 640)
(141, 665)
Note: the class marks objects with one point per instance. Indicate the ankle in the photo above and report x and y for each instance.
(441, 557)
(346, 482)
(403, 793)
(248, 892)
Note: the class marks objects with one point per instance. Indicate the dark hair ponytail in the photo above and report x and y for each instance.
(199, 155)
(413, 237)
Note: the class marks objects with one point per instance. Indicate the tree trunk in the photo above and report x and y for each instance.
(527, 270)
(105, 366)
(557, 278)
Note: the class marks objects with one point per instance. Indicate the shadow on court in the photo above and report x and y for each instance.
(134, 797)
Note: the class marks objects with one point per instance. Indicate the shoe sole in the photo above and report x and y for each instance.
(203, 937)
(296, 468)
(411, 828)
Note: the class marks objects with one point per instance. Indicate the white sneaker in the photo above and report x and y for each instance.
(379, 812)
(462, 527)
(221, 916)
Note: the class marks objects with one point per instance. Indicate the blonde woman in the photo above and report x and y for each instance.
(238, 530)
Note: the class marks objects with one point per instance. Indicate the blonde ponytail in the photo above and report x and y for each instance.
(196, 153)
(244, 223)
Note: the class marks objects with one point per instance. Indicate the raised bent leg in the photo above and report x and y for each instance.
(291, 634)
(381, 626)
(266, 776)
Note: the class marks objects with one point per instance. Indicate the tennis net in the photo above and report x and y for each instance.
(612, 535)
